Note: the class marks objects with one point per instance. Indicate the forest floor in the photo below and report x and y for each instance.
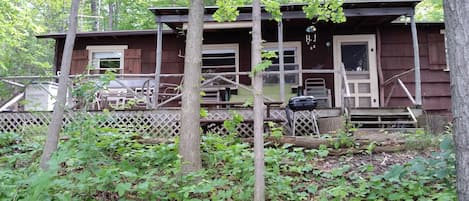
(380, 161)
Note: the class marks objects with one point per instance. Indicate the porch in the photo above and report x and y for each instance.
(130, 99)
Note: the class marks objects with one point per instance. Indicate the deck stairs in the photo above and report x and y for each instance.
(384, 118)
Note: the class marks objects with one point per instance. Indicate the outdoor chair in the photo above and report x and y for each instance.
(211, 96)
(317, 87)
(115, 98)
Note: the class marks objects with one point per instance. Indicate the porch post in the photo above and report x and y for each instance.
(159, 49)
(281, 61)
(415, 43)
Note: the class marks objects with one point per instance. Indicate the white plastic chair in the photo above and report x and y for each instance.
(317, 87)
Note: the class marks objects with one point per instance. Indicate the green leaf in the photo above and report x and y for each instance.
(121, 188)
(312, 189)
(447, 144)
(260, 67)
(203, 112)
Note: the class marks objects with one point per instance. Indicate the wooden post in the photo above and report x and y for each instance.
(380, 69)
(159, 49)
(415, 42)
(281, 61)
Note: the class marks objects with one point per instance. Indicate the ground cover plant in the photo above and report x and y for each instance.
(95, 163)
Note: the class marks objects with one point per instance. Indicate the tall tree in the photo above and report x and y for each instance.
(94, 15)
(457, 27)
(111, 16)
(189, 144)
(256, 48)
(56, 123)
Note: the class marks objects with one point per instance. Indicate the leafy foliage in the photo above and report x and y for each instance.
(266, 62)
(430, 11)
(101, 163)
(21, 52)
(330, 10)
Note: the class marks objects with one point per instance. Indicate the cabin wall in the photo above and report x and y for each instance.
(172, 46)
(397, 57)
(396, 54)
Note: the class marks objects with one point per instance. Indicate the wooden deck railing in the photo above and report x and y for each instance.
(345, 96)
(395, 80)
(137, 86)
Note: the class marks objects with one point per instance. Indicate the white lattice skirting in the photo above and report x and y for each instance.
(158, 123)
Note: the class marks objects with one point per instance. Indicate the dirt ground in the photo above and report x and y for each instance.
(380, 161)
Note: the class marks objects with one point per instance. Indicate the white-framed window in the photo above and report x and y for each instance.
(292, 63)
(104, 58)
(221, 58)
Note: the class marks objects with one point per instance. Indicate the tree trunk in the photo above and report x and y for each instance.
(189, 144)
(116, 15)
(259, 186)
(94, 13)
(457, 27)
(111, 16)
(59, 107)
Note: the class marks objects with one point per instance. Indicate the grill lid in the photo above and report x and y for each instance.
(299, 103)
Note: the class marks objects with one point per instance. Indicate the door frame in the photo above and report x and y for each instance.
(371, 39)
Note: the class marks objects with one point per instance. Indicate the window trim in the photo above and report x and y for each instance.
(443, 32)
(225, 46)
(106, 48)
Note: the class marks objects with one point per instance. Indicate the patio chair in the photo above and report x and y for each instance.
(115, 97)
(211, 96)
(317, 87)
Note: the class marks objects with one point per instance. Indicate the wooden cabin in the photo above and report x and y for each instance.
(373, 60)
(374, 49)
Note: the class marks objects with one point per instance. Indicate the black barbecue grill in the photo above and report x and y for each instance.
(302, 103)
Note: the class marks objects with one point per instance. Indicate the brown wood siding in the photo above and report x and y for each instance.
(79, 61)
(436, 50)
(132, 61)
(397, 56)
(143, 45)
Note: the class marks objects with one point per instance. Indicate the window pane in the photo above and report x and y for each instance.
(219, 61)
(288, 55)
(104, 55)
(106, 59)
(355, 57)
(109, 64)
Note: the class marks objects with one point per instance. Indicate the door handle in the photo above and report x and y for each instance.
(374, 100)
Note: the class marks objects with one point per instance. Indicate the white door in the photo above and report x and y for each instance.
(357, 54)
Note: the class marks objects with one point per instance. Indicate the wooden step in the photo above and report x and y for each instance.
(386, 130)
(379, 112)
(382, 117)
(383, 122)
